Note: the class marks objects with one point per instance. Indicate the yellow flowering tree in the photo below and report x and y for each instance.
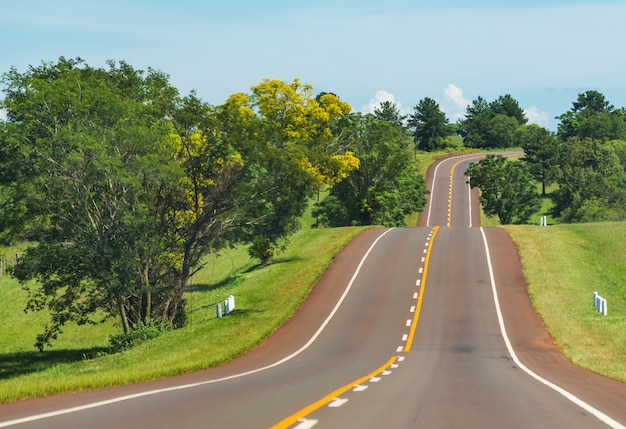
(300, 150)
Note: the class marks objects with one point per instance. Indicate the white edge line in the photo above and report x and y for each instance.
(201, 383)
(582, 404)
(469, 197)
(432, 189)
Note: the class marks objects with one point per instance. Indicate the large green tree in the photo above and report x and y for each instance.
(593, 117)
(592, 182)
(91, 155)
(507, 189)
(492, 125)
(540, 146)
(474, 126)
(384, 188)
(429, 124)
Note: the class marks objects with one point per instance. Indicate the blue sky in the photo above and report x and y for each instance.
(544, 53)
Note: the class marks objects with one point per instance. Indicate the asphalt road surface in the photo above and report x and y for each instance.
(424, 327)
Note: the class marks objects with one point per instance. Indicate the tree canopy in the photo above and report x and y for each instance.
(92, 159)
(507, 189)
(388, 111)
(492, 125)
(540, 146)
(585, 158)
(592, 182)
(124, 185)
(430, 125)
(384, 188)
(592, 116)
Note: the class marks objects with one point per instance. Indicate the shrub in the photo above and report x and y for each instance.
(140, 334)
(262, 248)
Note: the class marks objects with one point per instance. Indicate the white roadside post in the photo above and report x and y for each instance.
(600, 304)
(229, 306)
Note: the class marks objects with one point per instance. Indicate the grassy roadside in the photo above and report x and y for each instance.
(265, 297)
(564, 265)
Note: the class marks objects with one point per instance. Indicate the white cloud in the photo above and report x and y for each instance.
(380, 97)
(3, 115)
(454, 103)
(536, 116)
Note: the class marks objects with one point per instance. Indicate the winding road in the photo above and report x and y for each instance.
(425, 327)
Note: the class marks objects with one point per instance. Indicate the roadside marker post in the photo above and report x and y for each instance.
(600, 304)
(229, 306)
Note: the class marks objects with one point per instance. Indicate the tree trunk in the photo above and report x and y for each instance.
(122, 310)
(171, 312)
(148, 306)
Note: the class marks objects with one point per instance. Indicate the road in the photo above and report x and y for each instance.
(405, 330)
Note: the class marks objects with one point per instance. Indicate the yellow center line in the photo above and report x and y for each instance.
(287, 422)
(409, 340)
(328, 398)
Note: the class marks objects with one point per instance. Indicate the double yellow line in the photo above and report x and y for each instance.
(284, 424)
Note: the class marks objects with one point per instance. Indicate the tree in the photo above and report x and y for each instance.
(592, 182)
(619, 147)
(540, 147)
(473, 128)
(593, 117)
(388, 111)
(492, 125)
(289, 113)
(592, 101)
(218, 188)
(300, 153)
(93, 154)
(501, 131)
(507, 189)
(430, 125)
(508, 106)
(384, 188)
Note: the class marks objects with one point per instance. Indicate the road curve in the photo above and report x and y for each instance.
(402, 331)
